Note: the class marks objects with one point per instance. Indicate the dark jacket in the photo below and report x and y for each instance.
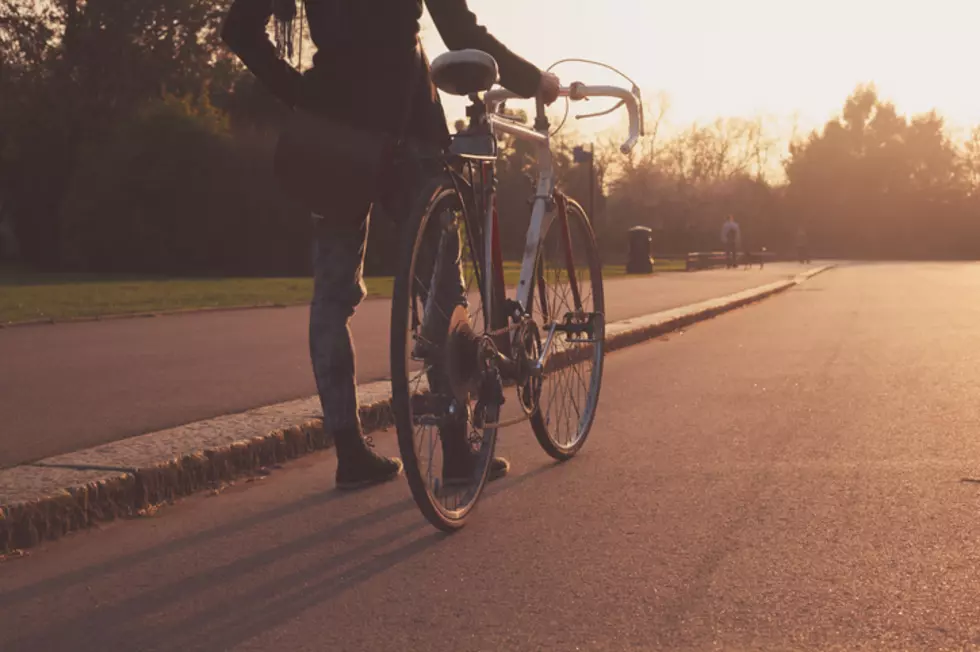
(365, 58)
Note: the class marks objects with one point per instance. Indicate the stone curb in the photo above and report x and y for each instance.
(47, 499)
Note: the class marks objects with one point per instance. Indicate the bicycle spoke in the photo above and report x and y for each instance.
(568, 401)
(417, 378)
(435, 304)
(432, 284)
(432, 455)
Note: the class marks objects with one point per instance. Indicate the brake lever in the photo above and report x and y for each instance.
(575, 93)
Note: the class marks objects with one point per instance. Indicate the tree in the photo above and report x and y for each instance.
(874, 183)
(683, 186)
(70, 70)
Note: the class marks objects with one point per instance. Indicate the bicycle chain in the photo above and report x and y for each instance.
(506, 329)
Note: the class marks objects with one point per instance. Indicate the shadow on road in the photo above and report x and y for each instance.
(119, 564)
(129, 625)
(184, 614)
(270, 604)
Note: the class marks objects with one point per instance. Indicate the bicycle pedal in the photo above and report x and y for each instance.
(583, 323)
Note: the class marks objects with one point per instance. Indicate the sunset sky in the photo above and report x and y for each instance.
(777, 58)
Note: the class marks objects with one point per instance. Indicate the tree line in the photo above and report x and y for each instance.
(132, 141)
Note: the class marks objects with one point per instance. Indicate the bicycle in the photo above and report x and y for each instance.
(449, 364)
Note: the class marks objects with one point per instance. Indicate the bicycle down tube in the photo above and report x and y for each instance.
(543, 194)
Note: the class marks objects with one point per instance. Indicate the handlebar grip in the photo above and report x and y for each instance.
(628, 146)
(636, 124)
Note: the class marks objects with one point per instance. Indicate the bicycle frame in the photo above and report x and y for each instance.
(547, 203)
(546, 197)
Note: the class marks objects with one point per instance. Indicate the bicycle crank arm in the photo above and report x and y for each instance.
(508, 367)
(546, 349)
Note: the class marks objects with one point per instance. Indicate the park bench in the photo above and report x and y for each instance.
(707, 259)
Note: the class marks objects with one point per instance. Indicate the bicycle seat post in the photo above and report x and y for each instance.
(477, 113)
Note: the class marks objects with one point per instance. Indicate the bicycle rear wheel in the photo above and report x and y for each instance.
(573, 314)
(434, 347)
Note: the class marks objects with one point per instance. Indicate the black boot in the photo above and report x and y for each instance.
(358, 465)
(459, 460)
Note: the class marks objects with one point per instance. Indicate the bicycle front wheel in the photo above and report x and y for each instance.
(439, 395)
(568, 305)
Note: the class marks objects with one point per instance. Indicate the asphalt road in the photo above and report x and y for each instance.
(70, 386)
(801, 474)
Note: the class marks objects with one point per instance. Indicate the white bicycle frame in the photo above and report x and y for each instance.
(545, 189)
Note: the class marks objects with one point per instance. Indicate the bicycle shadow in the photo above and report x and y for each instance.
(82, 576)
(271, 600)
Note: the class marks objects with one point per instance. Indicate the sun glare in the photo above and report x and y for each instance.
(793, 63)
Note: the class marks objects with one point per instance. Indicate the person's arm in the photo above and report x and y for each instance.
(460, 30)
(245, 34)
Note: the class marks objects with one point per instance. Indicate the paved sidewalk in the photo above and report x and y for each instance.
(65, 387)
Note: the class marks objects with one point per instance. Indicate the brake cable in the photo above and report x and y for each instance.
(635, 88)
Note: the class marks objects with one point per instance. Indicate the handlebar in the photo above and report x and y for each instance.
(578, 91)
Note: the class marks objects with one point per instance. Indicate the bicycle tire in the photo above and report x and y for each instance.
(406, 400)
(546, 430)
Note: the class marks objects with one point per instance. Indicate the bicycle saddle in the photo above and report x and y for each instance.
(464, 72)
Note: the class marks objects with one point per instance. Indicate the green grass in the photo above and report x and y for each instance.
(27, 295)
(60, 297)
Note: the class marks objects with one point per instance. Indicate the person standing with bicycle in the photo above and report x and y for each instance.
(368, 72)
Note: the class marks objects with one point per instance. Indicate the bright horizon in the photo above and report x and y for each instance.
(789, 62)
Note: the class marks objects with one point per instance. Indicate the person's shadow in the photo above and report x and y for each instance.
(135, 625)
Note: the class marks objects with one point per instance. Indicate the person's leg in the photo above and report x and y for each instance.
(338, 287)
(443, 242)
(445, 248)
(459, 460)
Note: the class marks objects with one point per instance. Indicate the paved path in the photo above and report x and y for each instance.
(798, 475)
(72, 386)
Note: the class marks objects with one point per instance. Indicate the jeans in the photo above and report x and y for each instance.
(339, 245)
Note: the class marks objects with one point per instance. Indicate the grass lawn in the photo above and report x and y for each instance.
(27, 295)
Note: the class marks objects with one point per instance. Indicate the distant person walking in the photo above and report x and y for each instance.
(802, 246)
(731, 235)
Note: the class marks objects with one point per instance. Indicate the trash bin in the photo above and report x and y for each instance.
(640, 261)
